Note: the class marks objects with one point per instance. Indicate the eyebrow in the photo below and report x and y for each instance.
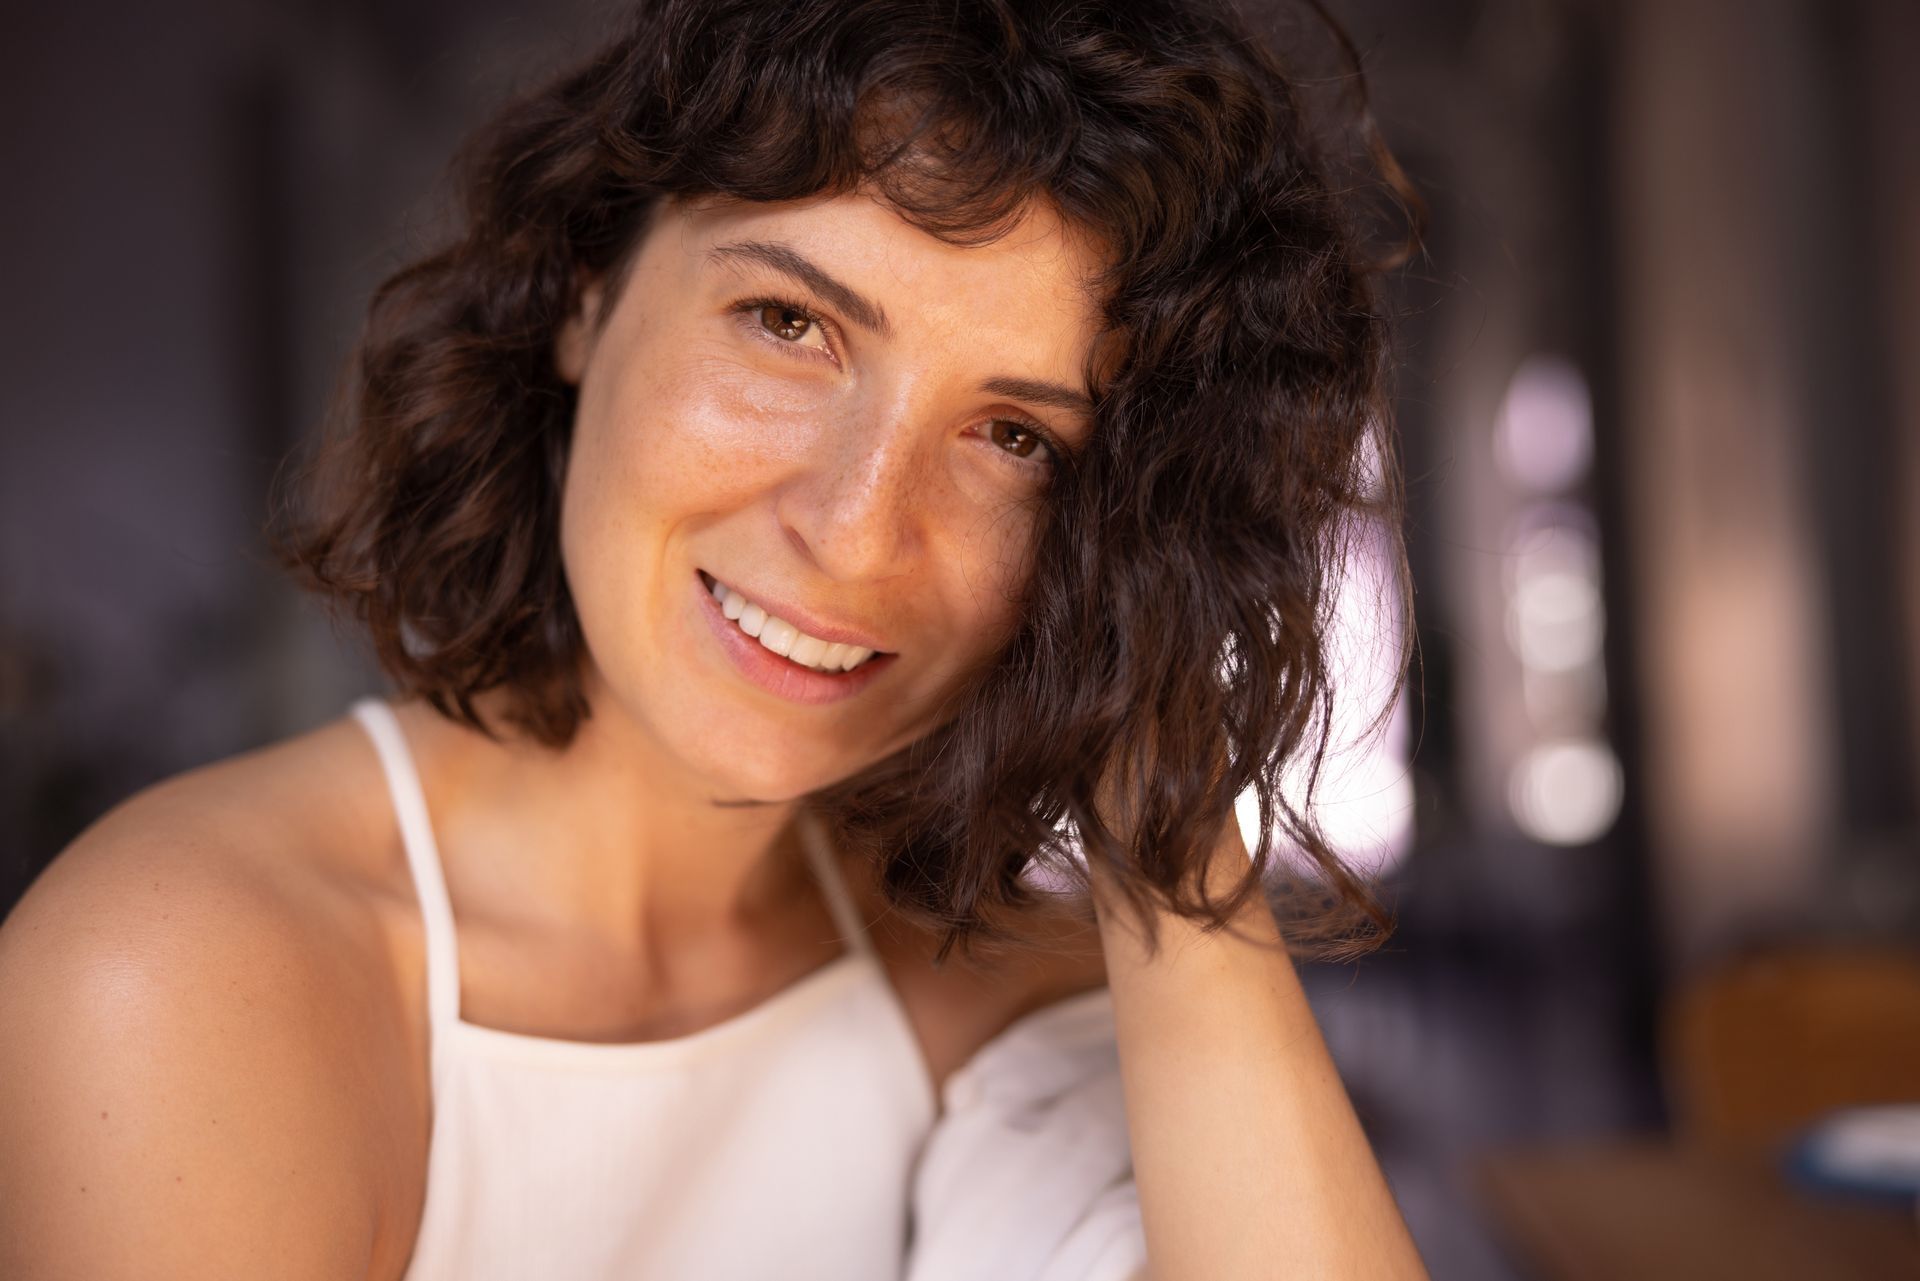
(791, 262)
(1053, 395)
(870, 316)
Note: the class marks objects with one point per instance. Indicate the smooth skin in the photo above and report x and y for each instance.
(214, 1052)
(1247, 1154)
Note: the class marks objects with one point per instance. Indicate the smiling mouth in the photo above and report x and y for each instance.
(784, 640)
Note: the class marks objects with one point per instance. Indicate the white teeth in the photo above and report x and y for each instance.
(807, 651)
(783, 638)
(779, 635)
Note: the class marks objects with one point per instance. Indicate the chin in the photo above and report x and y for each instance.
(764, 771)
(727, 752)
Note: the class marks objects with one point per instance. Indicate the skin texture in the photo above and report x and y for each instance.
(215, 1054)
(861, 476)
(214, 1060)
(1247, 1153)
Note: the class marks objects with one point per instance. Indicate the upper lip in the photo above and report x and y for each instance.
(810, 623)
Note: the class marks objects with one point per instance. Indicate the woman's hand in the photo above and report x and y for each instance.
(1247, 1154)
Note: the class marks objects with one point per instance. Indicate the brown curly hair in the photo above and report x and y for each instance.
(1174, 629)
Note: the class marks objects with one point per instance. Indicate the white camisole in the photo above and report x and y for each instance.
(780, 1143)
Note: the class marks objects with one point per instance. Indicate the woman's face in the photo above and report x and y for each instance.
(840, 417)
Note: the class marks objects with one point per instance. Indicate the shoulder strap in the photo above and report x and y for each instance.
(826, 872)
(423, 857)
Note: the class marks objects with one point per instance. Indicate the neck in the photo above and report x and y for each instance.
(612, 834)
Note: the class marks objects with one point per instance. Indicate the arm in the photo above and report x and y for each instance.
(1248, 1157)
(176, 1092)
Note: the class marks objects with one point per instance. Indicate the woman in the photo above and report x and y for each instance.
(852, 456)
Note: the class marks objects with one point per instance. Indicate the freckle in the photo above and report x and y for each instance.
(103, 1116)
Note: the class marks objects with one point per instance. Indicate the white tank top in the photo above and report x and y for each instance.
(780, 1143)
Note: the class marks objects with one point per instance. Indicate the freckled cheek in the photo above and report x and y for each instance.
(727, 421)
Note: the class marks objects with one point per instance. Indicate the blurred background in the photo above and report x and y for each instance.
(1648, 811)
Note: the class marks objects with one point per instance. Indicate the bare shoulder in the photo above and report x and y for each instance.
(190, 993)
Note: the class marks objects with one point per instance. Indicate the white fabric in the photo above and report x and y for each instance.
(1028, 1175)
(797, 1140)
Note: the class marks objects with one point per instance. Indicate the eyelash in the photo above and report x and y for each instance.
(751, 306)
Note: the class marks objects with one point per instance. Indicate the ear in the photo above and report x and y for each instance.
(573, 341)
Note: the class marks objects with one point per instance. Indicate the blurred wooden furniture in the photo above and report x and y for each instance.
(1652, 1210)
(1752, 1050)
(1760, 1046)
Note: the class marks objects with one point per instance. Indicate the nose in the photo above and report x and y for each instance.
(857, 509)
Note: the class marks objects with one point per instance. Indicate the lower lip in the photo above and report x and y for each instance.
(782, 676)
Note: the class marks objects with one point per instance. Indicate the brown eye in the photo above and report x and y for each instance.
(789, 323)
(1025, 443)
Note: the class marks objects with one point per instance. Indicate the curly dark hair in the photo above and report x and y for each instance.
(1174, 629)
